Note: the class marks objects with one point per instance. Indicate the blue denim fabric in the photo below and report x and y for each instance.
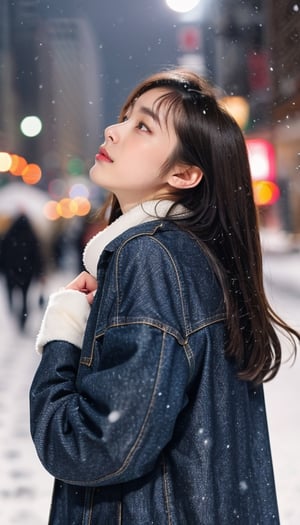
(149, 424)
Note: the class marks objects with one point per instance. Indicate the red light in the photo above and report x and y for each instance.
(189, 38)
(261, 158)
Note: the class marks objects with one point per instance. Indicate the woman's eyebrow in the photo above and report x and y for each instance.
(150, 113)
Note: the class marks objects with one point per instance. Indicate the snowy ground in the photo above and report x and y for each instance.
(282, 280)
(25, 488)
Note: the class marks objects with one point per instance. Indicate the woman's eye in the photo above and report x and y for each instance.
(142, 126)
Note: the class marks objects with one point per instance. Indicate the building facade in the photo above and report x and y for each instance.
(284, 41)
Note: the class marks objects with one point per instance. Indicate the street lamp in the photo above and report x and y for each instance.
(182, 6)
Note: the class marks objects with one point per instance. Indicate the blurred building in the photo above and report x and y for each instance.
(69, 93)
(49, 68)
(284, 41)
(242, 56)
(19, 22)
(257, 56)
(8, 96)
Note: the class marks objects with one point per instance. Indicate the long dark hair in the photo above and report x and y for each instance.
(222, 217)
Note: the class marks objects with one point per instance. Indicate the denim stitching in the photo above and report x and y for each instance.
(166, 490)
(172, 262)
(119, 513)
(141, 433)
(160, 326)
(88, 506)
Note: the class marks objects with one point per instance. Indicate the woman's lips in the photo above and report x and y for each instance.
(103, 155)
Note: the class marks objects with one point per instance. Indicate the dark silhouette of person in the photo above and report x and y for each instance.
(21, 262)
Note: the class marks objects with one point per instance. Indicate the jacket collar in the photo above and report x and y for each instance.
(141, 214)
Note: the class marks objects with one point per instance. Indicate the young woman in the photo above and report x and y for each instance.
(148, 404)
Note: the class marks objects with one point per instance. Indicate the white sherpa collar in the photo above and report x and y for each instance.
(145, 212)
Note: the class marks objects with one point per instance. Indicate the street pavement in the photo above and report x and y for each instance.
(25, 488)
(282, 282)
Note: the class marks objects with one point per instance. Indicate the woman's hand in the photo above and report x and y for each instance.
(85, 283)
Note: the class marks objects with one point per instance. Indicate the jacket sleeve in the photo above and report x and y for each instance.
(113, 427)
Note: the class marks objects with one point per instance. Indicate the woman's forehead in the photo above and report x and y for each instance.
(153, 97)
(160, 101)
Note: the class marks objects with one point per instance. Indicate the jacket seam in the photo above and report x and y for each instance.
(119, 513)
(89, 496)
(182, 341)
(166, 490)
(139, 438)
(119, 252)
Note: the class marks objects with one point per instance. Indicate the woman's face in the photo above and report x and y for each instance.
(130, 160)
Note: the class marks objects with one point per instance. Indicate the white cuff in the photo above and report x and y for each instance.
(65, 319)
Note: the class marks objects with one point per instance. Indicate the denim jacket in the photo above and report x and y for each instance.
(149, 423)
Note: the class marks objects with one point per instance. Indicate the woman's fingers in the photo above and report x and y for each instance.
(85, 283)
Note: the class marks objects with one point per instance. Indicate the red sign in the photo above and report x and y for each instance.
(189, 39)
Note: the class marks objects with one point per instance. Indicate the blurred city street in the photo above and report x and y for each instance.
(25, 488)
(65, 69)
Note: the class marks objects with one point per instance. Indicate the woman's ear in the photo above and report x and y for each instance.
(185, 178)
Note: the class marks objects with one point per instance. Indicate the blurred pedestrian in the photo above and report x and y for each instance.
(148, 403)
(21, 262)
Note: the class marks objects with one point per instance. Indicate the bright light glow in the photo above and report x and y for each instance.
(261, 158)
(239, 109)
(18, 165)
(75, 166)
(182, 6)
(83, 206)
(66, 208)
(50, 211)
(265, 192)
(78, 190)
(32, 174)
(5, 161)
(31, 126)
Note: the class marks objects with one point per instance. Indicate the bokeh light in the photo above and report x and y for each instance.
(31, 126)
(18, 165)
(66, 208)
(50, 210)
(32, 174)
(79, 190)
(75, 166)
(57, 188)
(182, 6)
(265, 192)
(238, 108)
(261, 158)
(5, 161)
(83, 206)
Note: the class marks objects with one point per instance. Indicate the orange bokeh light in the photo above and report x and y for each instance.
(50, 211)
(18, 165)
(266, 192)
(66, 208)
(83, 206)
(31, 174)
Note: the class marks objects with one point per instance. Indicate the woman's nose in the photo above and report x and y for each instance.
(111, 133)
